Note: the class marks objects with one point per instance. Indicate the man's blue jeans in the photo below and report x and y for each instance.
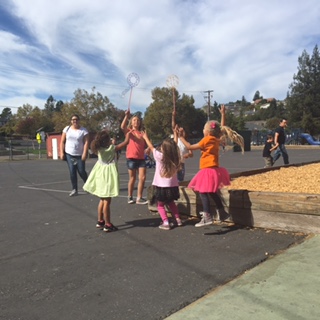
(281, 151)
(75, 165)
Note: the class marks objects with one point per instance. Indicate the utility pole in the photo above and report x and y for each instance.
(207, 98)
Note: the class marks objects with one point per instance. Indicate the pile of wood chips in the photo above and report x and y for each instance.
(303, 179)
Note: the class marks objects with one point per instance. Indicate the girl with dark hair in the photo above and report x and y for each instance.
(103, 180)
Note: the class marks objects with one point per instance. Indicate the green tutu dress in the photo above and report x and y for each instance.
(103, 180)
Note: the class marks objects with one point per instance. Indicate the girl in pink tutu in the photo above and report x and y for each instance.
(211, 177)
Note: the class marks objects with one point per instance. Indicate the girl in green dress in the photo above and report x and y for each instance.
(103, 180)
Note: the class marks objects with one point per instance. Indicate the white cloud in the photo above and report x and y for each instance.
(231, 47)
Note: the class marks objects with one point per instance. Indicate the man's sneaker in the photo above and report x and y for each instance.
(223, 215)
(205, 220)
(73, 193)
(142, 201)
(165, 226)
(110, 228)
(100, 224)
(130, 200)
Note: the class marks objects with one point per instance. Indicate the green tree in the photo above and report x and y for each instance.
(157, 118)
(257, 96)
(6, 114)
(215, 113)
(303, 100)
(95, 110)
(272, 123)
(29, 119)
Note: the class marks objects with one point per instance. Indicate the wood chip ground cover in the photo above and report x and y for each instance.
(303, 179)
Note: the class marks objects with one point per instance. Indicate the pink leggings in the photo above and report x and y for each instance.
(162, 211)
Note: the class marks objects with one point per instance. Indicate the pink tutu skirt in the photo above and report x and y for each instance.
(210, 180)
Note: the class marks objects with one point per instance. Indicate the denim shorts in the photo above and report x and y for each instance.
(133, 164)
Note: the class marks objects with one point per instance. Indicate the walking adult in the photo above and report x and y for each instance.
(279, 141)
(135, 155)
(74, 147)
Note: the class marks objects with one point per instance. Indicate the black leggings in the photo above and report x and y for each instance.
(206, 201)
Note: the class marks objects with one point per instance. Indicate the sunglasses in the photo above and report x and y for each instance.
(75, 119)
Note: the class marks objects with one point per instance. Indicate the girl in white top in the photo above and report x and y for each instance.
(165, 179)
(184, 152)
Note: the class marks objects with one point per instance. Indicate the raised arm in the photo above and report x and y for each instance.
(223, 115)
(124, 123)
(173, 120)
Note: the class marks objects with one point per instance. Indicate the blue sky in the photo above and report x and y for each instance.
(232, 47)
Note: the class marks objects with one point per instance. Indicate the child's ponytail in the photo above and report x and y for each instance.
(228, 133)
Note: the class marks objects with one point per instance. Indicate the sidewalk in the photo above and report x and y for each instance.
(286, 286)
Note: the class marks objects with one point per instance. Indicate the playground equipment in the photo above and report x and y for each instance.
(310, 139)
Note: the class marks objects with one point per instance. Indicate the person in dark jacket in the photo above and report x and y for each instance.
(279, 141)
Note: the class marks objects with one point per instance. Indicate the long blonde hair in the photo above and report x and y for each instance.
(224, 133)
(130, 123)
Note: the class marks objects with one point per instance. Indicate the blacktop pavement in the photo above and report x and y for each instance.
(55, 265)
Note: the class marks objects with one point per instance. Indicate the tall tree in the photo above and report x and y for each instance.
(95, 111)
(303, 101)
(6, 114)
(256, 95)
(29, 119)
(158, 115)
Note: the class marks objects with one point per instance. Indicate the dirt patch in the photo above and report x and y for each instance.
(303, 179)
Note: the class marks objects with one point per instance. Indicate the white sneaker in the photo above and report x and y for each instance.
(141, 201)
(165, 226)
(130, 200)
(205, 220)
(73, 193)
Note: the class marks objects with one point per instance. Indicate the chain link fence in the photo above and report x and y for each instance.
(22, 149)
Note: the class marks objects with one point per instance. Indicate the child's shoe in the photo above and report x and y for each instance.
(100, 224)
(179, 222)
(110, 228)
(165, 226)
(130, 200)
(205, 220)
(142, 201)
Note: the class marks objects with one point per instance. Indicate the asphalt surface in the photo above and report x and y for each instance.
(56, 265)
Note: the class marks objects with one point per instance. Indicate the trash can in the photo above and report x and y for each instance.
(246, 134)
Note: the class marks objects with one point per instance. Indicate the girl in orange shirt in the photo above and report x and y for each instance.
(211, 177)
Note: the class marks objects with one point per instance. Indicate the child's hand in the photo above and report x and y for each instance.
(222, 109)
